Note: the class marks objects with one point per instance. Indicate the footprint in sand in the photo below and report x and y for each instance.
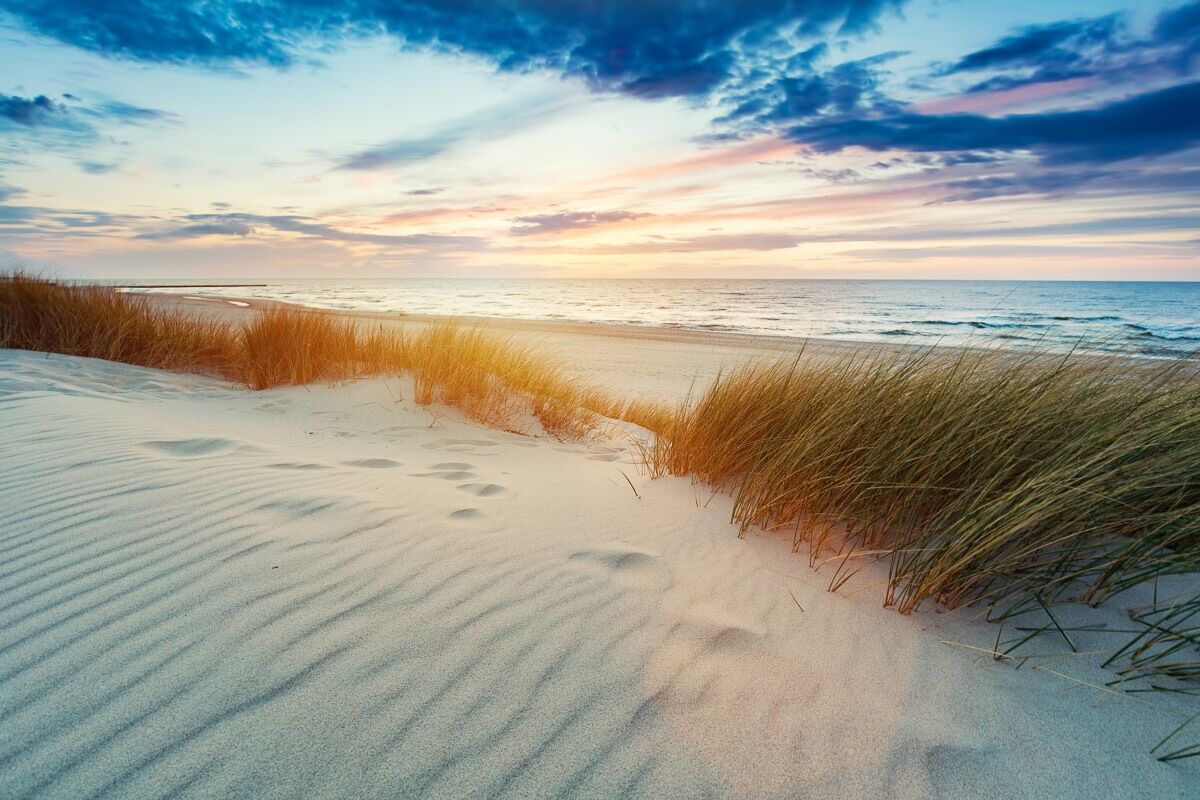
(372, 463)
(718, 633)
(603, 457)
(466, 514)
(192, 448)
(478, 447)
(628, 564)
(297, 466)
(484, 489)
(449, 471)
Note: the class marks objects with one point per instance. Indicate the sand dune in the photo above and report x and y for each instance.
(330, 592)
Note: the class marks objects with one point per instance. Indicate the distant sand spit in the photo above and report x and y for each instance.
(331, 592)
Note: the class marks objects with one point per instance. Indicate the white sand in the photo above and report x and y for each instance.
(323, 592)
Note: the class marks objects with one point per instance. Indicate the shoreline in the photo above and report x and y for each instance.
(763, 341)
(651, 363)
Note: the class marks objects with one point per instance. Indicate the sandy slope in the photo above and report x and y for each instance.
(207, 592)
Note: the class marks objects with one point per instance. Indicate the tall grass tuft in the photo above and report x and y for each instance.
(284, 345)
(496, 382)
(490, 378)
(979, 476)
(101, 323)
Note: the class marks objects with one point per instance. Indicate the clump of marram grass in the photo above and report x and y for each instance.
(490, 378)
(101, 323)
(283, 345)
(496, 381)
(978, 475)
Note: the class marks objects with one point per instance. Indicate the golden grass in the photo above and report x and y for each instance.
(491, 379)
(978, 475)
(101, 323)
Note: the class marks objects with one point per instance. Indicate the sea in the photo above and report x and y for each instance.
(1155, 319)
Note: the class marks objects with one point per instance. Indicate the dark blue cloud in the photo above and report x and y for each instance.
(651, 48)
(1150, 124)
(849, 88)
(1180, 28)
(163, 31)
(1061, 45)
(72, 127)
(1101, 47)
(29, 111)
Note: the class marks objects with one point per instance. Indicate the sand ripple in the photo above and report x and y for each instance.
(204, 597)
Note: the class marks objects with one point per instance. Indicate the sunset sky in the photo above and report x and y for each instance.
(629, 138)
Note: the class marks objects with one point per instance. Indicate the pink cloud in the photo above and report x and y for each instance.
(1004, 100)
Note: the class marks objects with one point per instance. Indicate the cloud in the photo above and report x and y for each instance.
(703, 244)
(8, 192)
(1101, 47)
(650, 49)
(1102, 226)
(1060, 49)
(969, 252)
(568, 221)
(227, 228)
(131, 114)
(486, 125)
(244, 224)
(849, 88)
(29, 124)
(98, 167)
(30, 112)
(1041, 183)
(1150, 124)
(58, 222)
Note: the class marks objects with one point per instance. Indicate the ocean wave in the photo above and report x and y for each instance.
(1177, 334)
(977, 323)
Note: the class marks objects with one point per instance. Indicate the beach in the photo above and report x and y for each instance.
(659, 364)
(331, 591)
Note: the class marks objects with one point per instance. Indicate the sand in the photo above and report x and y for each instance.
(327, 591)
(663, 364)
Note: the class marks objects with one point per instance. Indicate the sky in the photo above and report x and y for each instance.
(228, 139)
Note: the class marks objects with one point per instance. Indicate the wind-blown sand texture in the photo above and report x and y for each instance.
(330, 592)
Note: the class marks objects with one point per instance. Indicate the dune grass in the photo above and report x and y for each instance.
(1010, 480)
(491, 379)
(101, 323)
(978, 475)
